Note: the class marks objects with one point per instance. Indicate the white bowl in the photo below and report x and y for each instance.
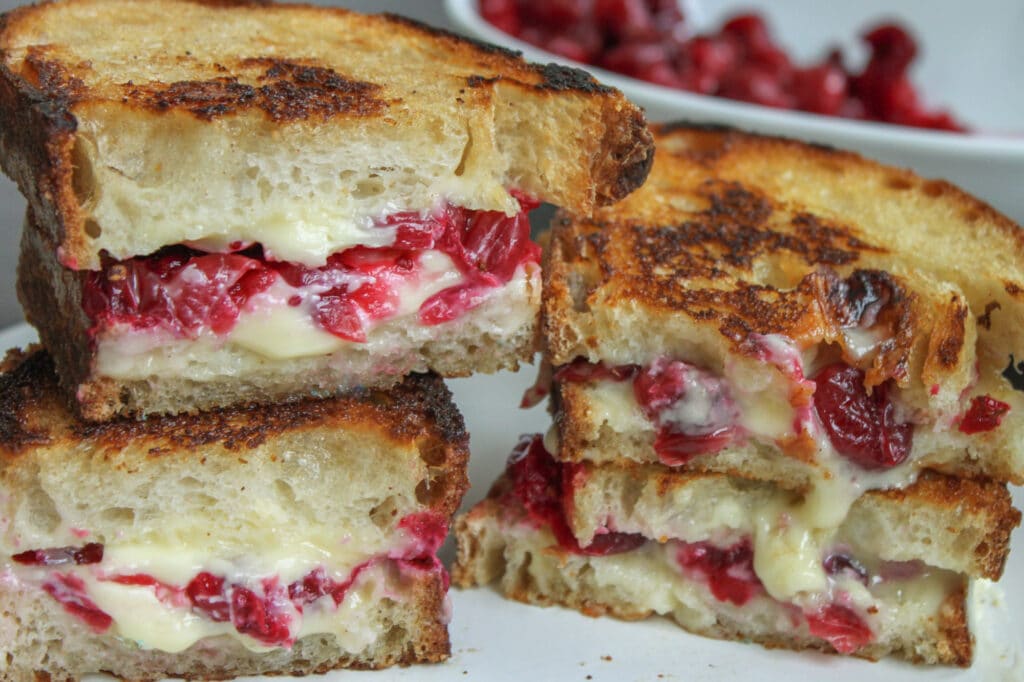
(971, 61)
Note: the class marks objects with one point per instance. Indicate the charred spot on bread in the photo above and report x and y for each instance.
(284, 90)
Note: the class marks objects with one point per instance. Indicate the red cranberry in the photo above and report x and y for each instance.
(428, 528)
(676, 449)
(207, 595)
(316, 584)
(612, 542)
(861, 427)
(834, 564)
(820, 89)
(660, 386)
(504, 14)
(984, 414)
(626, 19)
(705, 61)
(70, 592)
(91, 553)
(728, 571)
(647, 39)
(757, 85)
(257, 616)
(184, 290)
(841, 627)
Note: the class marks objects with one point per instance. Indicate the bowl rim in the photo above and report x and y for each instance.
(466, 18)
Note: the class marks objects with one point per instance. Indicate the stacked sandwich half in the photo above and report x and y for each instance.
(780, 406)
(248, 227)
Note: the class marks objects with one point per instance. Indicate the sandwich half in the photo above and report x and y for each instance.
(288, 539)
(635, 540)
(788, 313)
(229, 198)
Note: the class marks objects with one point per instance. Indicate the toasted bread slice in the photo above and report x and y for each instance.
(131, 125)
(292, 538)
(117, 370)
(761, 261)
(498, 542)
(960, 525)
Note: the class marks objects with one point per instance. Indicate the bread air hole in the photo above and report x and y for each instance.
(118, 516)
(432, 452)
(83, 178)
(370, 187)
(432, 489)
(383, 515)
(42, 511)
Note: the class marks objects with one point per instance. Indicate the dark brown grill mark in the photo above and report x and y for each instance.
(287, 91)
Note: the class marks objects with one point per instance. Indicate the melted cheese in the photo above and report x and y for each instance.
(274, 329)
(141, 617)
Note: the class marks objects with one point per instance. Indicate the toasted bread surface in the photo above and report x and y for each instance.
(743, 234)
(132, 124)
(366, 460)
(961, 525)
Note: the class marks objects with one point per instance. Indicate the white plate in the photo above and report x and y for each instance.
(497, 640)
(970, 61)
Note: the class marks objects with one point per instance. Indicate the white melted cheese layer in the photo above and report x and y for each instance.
(140, 616)
(274, 330)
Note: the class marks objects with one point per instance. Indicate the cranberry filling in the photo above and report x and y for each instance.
(185, 291)
(984, 414)
(264, 617)
(544, 488)
(841, 627)
(861, 427)
(728, 572)
(91, 553)
(650, 40)
(206, 594)
(70, 592)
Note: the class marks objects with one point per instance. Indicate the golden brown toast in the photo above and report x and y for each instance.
(132, 124)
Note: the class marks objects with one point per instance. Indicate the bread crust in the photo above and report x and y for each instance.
(46, 88)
